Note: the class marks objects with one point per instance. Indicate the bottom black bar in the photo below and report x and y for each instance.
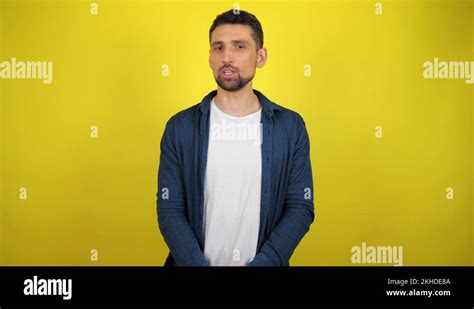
(72, 286)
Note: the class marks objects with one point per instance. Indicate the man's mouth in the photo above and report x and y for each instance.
(228, 73)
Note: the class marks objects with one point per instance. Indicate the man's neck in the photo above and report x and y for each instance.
(237, 103)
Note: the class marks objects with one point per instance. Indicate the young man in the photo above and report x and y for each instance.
(234, 184)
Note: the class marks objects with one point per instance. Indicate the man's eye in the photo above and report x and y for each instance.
(218, 48)
(240, 46)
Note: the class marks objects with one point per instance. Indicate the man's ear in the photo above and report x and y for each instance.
(261, 57)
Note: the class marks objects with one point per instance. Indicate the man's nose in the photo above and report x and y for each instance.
(228, 55)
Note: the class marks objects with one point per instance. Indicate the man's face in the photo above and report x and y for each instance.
(233, 56)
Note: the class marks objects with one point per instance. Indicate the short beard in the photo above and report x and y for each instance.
(234, 85)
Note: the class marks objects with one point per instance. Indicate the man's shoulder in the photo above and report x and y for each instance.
(184, 118)
(188, 118)
(289, 117)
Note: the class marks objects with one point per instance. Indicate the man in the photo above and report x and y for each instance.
(235, 185)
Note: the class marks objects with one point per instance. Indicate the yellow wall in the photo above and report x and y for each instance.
(87, 193)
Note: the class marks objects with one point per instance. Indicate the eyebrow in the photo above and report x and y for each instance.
(233, 41)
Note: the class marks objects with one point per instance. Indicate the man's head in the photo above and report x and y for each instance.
(236, 39)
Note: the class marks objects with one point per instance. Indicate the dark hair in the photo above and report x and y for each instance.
(243, 18)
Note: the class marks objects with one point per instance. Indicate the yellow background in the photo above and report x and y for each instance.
(367, 71)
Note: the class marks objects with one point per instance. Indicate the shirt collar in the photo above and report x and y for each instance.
(267, 105)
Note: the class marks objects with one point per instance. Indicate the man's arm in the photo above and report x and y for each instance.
(171, 206)
(298, 213)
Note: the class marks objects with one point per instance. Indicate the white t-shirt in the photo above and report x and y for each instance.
(232, 188)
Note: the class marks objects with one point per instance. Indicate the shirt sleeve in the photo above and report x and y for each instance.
(171, 206)
(298, 213)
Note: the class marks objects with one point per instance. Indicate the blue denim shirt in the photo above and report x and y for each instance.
(287, 207)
